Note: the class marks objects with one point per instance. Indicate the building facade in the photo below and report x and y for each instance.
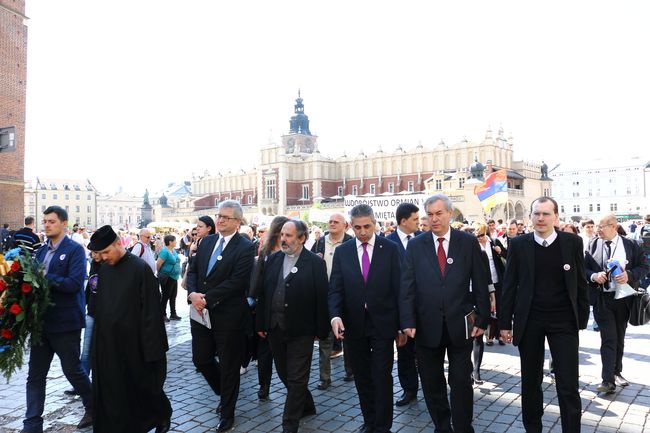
(595, 187)
(295, 175)
(77, 197)
(13, 85)
(120, 211)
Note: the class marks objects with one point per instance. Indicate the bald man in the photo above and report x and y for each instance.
(142, 249)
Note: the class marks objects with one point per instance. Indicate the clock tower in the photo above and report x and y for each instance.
(300, 139)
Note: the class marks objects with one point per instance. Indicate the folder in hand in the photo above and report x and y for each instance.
(202, 317)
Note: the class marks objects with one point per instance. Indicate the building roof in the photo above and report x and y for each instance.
(63, 184)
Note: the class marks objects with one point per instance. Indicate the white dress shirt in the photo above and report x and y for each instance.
(226, 239)
(549, 240)
(445, 243)
(403, 237)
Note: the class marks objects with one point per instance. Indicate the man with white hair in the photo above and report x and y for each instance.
(142, 249)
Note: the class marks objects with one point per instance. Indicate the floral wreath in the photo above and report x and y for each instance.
(24, 298)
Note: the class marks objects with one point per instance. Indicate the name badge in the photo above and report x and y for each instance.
(62, 257)
(450, 261)
(294, 270)
(567, 267)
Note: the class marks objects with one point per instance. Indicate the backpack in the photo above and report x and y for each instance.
(141, 249)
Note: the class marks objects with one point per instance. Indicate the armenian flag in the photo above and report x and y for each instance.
(494, 191)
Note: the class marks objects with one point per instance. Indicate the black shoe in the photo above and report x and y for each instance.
(87, 420)
(348, 378)
(366, 428)
(620, 380)
(164, 426)
(166, 319)
(263, 393)
(309, 412)
(323, 384)
(225, 424)
(489, 343)
(174, 317)
(406, 398)
(289, 430)
(70, 392)
(218, 410)
(606, 387)
(476, 379)
(501, 342)
(596, 329)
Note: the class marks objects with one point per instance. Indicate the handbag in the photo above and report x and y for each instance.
(640, 309)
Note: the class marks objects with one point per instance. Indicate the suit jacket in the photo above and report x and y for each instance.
(66, 272)
(349, 294)
(227, 284)
(637, 266)
(305, 298)
(427, 297)
(519, 282)
(400, 246)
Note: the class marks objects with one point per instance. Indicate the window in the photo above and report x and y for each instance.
(67, 196)
(305, 192)
(339, 191)
(591, 207)
(576, 194)
(78, 208)
(88, 197)
(409, 187)
(55, 196)
(438, 184)
(391, 187)
(597, 207)
(238, 198)
(270, 188)
(88, 209)
(43, 196)
(355, 190)
(373, 190)
(576, 183)
(613, 207)
(589, 193)
(78, 220)
(547, 192)
(629, 190)
(249, 199)
(576, 208)
(561, 208)
(77, 197)
(43, 208)
(67, 208)
(461, 182)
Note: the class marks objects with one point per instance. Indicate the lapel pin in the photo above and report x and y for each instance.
(219, 257)
(567, 267)
(380, 246)
(294, 270)
(62, 257)
(450, 261)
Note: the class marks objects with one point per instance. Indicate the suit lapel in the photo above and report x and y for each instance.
(565, 247)
(530, 255)
(431, 253)
(302, 259)
(451, 251)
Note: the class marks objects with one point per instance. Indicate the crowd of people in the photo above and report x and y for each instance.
(423, 286)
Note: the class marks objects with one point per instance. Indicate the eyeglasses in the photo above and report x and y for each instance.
(602, 226)
(227, 218)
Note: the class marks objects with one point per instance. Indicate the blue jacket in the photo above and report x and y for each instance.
(400, 246)
(67, 272)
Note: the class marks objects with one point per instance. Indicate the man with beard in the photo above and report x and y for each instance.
(291, 312)
(129, 343)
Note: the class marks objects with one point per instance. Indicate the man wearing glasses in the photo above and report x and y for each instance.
(218, 280)
(613, 314)
(142, 249)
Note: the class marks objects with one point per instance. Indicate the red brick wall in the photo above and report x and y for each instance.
(13, 74)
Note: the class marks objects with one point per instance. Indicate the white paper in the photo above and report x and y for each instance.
(202, 317)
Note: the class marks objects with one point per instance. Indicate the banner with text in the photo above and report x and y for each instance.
(384, 206)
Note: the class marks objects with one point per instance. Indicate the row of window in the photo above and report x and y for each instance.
(576, 194)
(66, 197)
(613, 207)
(89, 209)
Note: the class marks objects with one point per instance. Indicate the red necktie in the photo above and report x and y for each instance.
(442, 258)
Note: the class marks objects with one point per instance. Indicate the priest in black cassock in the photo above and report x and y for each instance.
(129, 348)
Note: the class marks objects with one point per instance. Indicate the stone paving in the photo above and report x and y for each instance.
(497, 403)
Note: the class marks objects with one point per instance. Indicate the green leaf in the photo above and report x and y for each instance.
(20, 317)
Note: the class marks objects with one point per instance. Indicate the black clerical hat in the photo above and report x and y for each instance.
(102, 238)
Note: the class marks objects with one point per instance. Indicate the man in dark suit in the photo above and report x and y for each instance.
(545, 288)
(436, 300)
(65, 267)
(218, 279)
(363, 296)
(613, 314)
(408, 218)
(291, 312)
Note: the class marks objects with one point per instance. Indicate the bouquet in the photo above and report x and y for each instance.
(24, 298)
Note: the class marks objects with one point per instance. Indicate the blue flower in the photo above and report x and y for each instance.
(11, 254)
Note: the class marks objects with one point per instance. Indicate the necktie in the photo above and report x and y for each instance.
(408, 238)
(365, 262)
(442, 258)
(544, 244)
(607, 256)
(215, 255)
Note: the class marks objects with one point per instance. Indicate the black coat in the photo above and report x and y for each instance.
(305, 298)
(400, 246)
(226, 286)
(349, 294)
(426, 294)
(519, 282)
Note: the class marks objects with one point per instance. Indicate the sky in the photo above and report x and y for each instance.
(135, 94)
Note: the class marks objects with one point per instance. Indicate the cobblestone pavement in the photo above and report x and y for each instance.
(497, 403)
